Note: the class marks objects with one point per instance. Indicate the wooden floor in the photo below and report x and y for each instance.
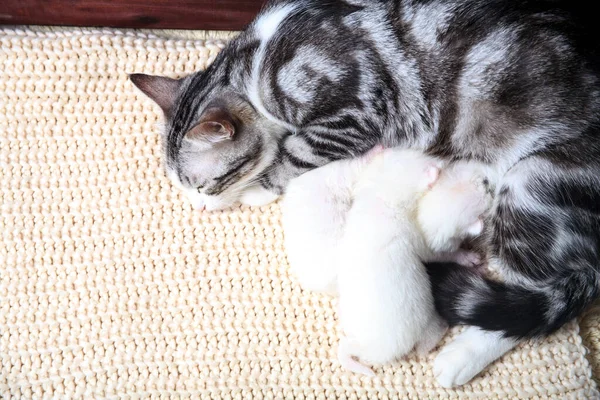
(168, 14)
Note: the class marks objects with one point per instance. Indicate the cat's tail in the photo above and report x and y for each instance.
(465, 297)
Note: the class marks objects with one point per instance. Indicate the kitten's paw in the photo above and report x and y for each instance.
(257, 196)
(469, 259)
(348, 361)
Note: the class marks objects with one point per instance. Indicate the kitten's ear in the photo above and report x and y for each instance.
(476, 228)
(216, 125)
(162, 90)
(433, 173)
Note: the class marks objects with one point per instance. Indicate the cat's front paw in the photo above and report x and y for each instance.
(257, 196)
(197, 200)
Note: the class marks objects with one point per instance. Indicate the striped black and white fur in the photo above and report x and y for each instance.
(511, 83)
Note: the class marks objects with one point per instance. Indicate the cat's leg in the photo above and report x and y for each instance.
(545, 240)
(472, 351)
(348, 361)
(257, 196)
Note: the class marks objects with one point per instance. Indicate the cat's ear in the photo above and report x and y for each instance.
(216, 125)
(162, 90)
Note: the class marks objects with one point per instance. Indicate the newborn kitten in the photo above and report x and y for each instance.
(314, 212)
(386, 305)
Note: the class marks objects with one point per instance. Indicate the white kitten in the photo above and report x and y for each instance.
(385, 299)
(386, 306)
(380, 260)
(314, 212)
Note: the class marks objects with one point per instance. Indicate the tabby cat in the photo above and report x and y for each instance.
(511, 83)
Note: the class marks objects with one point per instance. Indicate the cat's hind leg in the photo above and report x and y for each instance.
(469, 354)
(544, 240)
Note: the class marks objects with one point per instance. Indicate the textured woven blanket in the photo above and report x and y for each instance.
(111, 286)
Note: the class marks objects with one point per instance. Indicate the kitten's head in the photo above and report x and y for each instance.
(215, 143)
(454, 210)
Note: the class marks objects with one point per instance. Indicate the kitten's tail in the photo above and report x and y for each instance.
(464, 297)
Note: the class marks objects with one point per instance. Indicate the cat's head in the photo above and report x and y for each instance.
(215, 143)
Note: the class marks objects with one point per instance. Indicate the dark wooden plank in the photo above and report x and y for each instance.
(173, 14)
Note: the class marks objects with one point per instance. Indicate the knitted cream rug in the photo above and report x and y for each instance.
(590, 330)
(111, 286)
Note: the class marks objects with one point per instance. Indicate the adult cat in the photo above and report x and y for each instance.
(511, 83)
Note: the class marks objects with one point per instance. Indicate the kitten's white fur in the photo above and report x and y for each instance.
(314, 212)
(366, 225)
(397, 221)
(385, 301)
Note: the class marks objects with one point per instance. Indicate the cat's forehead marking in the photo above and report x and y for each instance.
(266, 25)
(265, 28)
